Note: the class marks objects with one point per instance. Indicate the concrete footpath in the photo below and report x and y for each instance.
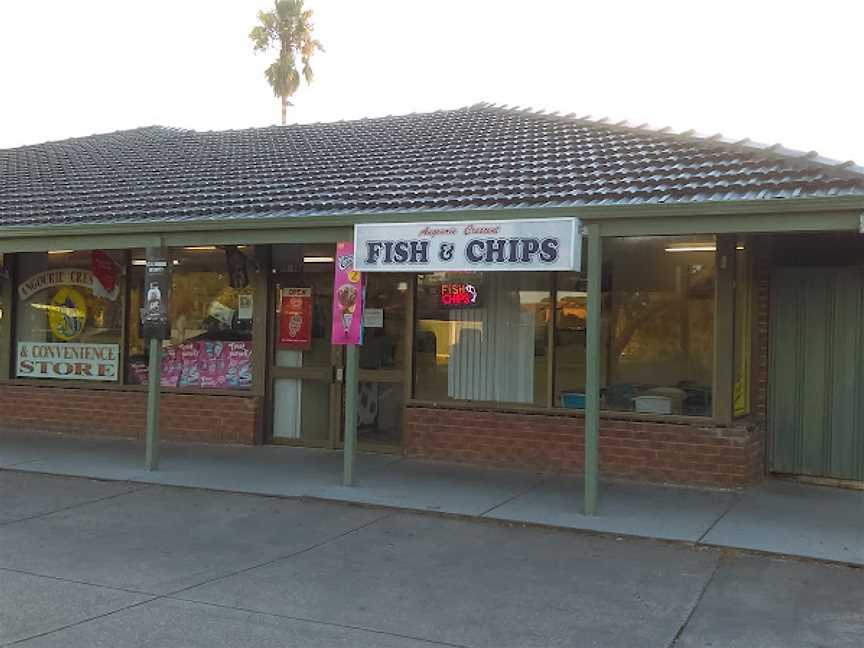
(777, 517)
(88, 563)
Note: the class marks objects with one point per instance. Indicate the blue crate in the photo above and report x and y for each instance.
(573, 400)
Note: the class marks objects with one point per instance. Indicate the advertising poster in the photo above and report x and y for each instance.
(105, 274)
(67, 361)
(295, 319)
(347, 298)
(244, 306)
(157, 291)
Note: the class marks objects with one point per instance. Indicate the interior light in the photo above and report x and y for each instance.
(200, 248)
(143, 262)
(60, 251)
(317, 259)
(697, 247)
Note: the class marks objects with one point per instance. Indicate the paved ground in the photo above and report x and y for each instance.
(778, 517)
(88, 563)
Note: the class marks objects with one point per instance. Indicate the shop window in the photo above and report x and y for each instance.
(384, 322)
(69, 315)
(570, 339)
(483, 336)
(211, 321)
(658, 328)
(382, 359)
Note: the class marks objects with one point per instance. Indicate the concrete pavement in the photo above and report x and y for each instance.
(776, 517)
(88, 563)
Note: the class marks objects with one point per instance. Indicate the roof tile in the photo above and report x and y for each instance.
(477, 157)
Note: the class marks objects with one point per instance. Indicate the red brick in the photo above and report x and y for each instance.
(676, 452)
(122, 413)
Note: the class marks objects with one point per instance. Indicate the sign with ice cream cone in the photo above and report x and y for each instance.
(295, 319)
(348, 295)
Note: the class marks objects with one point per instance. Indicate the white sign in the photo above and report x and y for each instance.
(536, 244)
(67, 361)
(373, 317)
(244, 307)
(63, 277)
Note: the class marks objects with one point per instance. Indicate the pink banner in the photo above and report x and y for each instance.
(348, 298)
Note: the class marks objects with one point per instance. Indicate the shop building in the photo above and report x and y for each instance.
(725, 279)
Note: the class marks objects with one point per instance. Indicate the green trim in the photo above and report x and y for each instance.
(352, 386)
(724, 330)
(177, 239)
(6, 298)
(77, 242)
(791, 221)
(151, 457)
(260, 309)
(259, 225)
(261, 236)
(593, 353)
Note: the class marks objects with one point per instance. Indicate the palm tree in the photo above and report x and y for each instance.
(287, 26)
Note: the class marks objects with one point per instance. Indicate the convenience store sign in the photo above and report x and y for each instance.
(67, 361)
(470, 246)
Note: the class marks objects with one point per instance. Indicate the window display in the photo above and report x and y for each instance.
(211, 320)
(69, 315)
(491, 349)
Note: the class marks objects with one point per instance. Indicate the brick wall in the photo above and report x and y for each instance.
(121, 413)
(663, 452)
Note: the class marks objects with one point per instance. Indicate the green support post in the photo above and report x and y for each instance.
(592, 372)
(352, 385)
(151, 461)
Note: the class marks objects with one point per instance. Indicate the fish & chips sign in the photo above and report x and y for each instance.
(528, 244)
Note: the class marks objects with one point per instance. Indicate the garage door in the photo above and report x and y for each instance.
(816, 400)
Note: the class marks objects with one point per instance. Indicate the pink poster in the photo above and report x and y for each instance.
(202, 363)
(347, 298)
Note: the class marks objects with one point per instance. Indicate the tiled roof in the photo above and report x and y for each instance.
(482, 156)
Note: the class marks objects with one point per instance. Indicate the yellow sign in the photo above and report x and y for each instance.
(67, 314)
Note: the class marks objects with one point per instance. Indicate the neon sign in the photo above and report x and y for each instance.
(459, 295)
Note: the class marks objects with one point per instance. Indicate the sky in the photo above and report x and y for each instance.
(788, 72)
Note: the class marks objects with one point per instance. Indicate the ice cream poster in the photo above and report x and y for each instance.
(347, 297)
(295, 318)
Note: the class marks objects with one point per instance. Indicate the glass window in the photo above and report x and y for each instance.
(211, 322)
(659, 306)
(382, 357)
(658, 327)
(69, 315)
(384, 332)
(482, 336)
(570, 339)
